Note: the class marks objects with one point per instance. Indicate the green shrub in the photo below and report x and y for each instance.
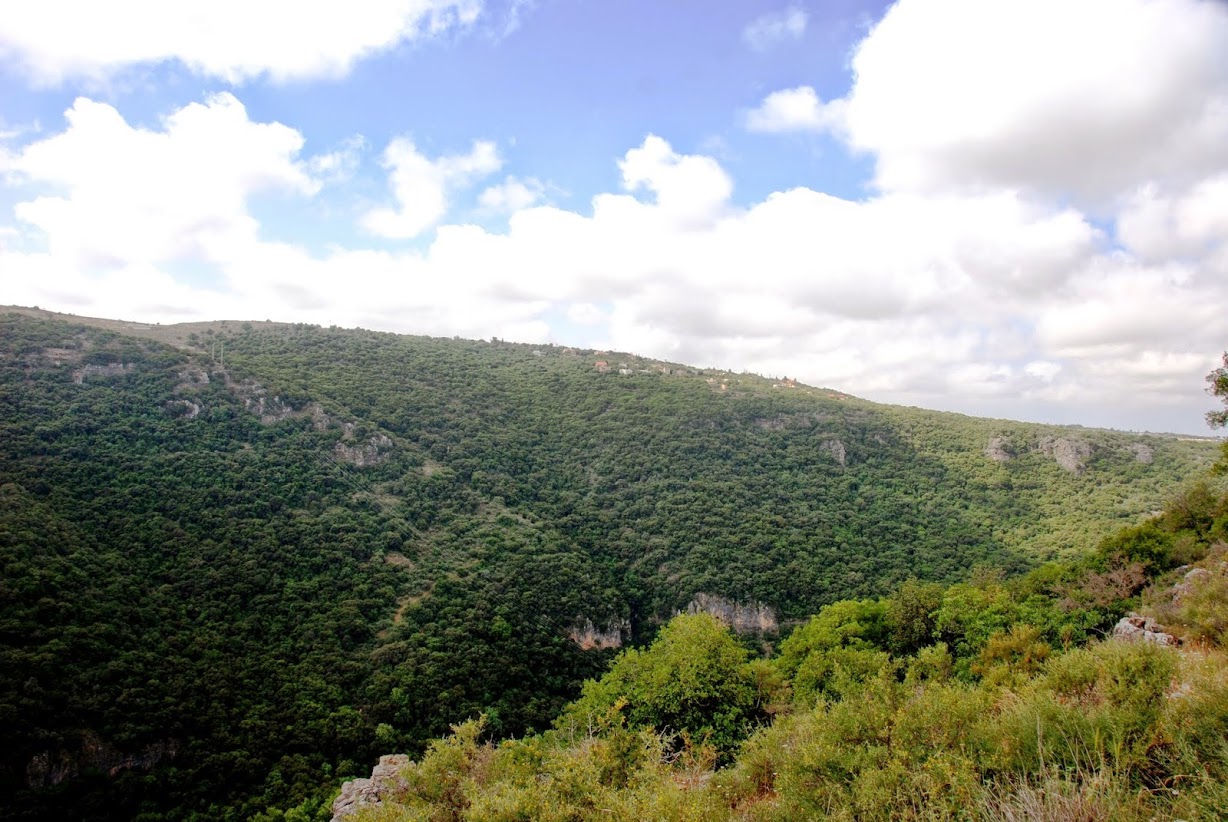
(694, 679)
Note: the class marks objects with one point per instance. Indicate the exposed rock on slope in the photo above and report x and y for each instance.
(750, 618)
(588, 636)
(118, 369)
(385, 783)
(372, 451)
(94, 754)
(1135, 628)
(999, 449)
(837, 451)
(1071, 454)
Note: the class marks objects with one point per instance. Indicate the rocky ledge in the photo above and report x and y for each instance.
(385, 783)
(1134, 628)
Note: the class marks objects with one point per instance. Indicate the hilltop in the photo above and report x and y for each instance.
(241, 558)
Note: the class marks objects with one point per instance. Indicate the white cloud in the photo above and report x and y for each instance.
(795, 109)
(586, 314)
(1015, 121)
(773, 28)
(512, 195)
(1188, 224)
(689, 189)
(1043, 370)
(994, 301)
(421, 185)
(339, 166)
(232, 40)
(118, 195)
(1081, 99)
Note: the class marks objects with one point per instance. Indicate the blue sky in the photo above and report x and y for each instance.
(1016, 209)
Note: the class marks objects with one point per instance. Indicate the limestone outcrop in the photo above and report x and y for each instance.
(837, 450)
(1070, 454)
(742, 618)
(385, 783)
(117, 369)
(588, 636)
(999, 449)
(1135, 628)
(93, 753)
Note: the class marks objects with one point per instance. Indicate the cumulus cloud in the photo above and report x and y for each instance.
(125, 195)
(795, 109)
(512, 195)
(977, 298)
(586, 314)
(776, 27)
(1068, 99)
(421, 186)
(689, 189)
(340, 165)
(1016, 121)
(228, 39)
(1077, 100)
(1189, 224)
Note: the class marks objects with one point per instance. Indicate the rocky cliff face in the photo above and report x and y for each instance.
(118, 369)
(748, 618)
(1071, 454)
(1143, 453)
(837, 450)
(588, 636)
(1000, 449)
(385, 784)
(93, 754)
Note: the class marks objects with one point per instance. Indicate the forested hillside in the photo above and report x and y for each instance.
(239, 560)
(998, 700)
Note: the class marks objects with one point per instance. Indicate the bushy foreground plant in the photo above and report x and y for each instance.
(1114, 731)
(978, 701)
(695, 681)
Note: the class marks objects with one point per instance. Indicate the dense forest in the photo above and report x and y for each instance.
(241, 560)
(990, 699)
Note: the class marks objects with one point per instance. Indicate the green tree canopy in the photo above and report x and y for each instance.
(1218, 382)
(695, 678)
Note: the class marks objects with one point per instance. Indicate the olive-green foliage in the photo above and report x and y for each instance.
(1192, 519)
(1010, 656)
(1195, 602)
(621, 774)
(1093, 734)
(209, 589)
(844, 624)
(912, 615)
(837, 648)
(694, 679)
(1217, 382)
(204, 594)
(1017, 730)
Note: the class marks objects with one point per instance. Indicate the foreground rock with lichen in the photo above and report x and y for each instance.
(385, 782)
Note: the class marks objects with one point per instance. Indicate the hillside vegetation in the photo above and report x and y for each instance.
(241, 559)
(985, 700)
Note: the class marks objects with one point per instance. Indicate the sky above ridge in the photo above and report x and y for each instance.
(1014, 209)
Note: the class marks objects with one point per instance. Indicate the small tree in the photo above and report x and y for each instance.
(1217, 381)
(694, 679)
